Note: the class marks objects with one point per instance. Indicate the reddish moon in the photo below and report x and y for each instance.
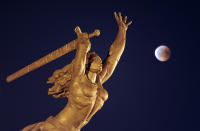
(162, 53)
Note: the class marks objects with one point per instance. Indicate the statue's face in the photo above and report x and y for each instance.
(96, 65)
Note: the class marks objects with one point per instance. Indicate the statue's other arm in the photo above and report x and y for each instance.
(116, 48)
(83, 45)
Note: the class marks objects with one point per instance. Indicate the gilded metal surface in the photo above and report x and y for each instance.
(48, 58)
(81, 82)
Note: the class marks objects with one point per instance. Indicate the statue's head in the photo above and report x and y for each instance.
(61, 78)
(94, 63)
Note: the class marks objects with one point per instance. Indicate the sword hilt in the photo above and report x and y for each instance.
(80, 34)
(95, 33)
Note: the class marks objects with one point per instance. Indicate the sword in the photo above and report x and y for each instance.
(51, 56)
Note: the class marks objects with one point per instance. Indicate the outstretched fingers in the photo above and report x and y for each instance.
(116, 17)
(120, 16)
(125, 19)
(129, 23)
(122, 21)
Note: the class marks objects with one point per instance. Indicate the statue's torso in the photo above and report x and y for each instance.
(83, 92)
(85, 96)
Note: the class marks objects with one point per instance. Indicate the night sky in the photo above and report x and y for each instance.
(144, 94)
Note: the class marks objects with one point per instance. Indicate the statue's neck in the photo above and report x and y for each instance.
(92, 76)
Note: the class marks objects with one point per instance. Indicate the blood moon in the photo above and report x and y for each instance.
(162, 53)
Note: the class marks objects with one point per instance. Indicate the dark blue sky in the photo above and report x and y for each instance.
(144, 94)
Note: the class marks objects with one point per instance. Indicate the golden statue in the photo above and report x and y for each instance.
(80, 81)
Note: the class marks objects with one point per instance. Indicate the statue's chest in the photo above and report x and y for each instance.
(84, 87)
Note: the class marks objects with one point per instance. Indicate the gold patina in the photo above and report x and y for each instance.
(80, 81)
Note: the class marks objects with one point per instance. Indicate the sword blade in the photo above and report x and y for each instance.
(43, 61)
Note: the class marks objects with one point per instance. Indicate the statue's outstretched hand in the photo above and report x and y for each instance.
(122, 22)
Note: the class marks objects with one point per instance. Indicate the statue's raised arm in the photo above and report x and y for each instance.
(83, 45)
(116, 48)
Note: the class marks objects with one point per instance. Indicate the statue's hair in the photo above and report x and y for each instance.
(61, 78)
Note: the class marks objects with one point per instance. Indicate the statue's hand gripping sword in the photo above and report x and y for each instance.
(52, 56)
